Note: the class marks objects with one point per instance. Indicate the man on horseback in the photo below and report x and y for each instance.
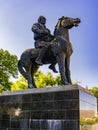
(42, 37)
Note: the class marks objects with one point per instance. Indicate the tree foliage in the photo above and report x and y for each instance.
(20, 84)
(8, 68)
(95, 91)
(41, 80)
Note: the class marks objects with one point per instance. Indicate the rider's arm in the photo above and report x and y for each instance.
(47, 30)
(36, 29)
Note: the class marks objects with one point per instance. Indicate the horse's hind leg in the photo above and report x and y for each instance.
(61, 63)
(33, 70)
(29, 76)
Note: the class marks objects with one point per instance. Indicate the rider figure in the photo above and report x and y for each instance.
(42, 37)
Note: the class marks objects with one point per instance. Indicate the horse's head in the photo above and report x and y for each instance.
(67, 22)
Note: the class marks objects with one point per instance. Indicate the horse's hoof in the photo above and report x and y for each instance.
(31, 86)
(66, 83)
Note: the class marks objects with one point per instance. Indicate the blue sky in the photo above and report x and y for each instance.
(17, 17)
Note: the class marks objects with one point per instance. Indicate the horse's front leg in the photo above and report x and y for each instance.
(67, 66)
(61, 63)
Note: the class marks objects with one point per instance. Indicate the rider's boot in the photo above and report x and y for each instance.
(52, 67)
(41, 55)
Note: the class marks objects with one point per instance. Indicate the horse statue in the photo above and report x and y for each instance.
(59, 51)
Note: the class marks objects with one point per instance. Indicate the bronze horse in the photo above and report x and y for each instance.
(59, 52)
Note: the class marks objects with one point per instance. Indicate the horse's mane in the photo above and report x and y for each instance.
(59, 22)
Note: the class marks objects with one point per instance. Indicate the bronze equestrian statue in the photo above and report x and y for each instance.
(59, 51)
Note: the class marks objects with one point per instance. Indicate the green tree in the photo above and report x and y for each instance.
(8, 69)
(20, 84)
(95, 91)
(41, 80)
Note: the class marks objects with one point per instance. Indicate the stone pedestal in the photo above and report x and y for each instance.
(55, 108)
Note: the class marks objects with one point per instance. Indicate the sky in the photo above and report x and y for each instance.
(18, 16)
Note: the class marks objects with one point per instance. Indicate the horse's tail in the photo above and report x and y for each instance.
(21, 70)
